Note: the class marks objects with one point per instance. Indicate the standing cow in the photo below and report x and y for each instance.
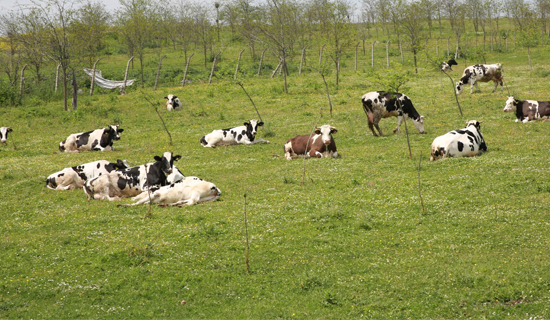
(448, 65)
(319, 145)
(132, 181)
(99, 139)
(172, 102)
(480, 73)
(239, 135)
(467, 142)
(4, 133)
(527, 110)
(75, 177)
(380, 104)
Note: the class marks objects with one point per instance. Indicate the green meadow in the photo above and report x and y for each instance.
(372, 234)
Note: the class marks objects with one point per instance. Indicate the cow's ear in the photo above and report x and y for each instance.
(333, 131)
(157, 158)
(176, 158)
(120, 130)
(246, 124)
(261, 123)
(174, 97)
(166, 98)
(9, 129)
(317, 131)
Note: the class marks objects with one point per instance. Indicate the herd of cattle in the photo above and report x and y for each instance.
(161, 182)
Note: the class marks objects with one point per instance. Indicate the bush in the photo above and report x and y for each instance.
(8, 94)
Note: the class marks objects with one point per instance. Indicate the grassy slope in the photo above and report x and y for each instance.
(351, 241)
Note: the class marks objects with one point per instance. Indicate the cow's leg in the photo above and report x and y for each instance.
(376, 121)
(399, 122)
(315, 153)
(370, 119)
(288, 151)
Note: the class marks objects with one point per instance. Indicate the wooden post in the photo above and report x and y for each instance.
(437, 47)
(93, 77)
(21, 81)
(321, 54)
(57, 76)
(277, 68)
(158, 72)
(448, 45)
(186, 69)
(426, 46)
(261, 61)
(213, 66)
(302, 60)
(238, 63)
(123, 89)
(75, 91)
(372, 54)
(357, 45)
(401, 50)
(388, 54)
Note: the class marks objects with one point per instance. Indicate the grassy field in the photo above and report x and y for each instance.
(351, 241)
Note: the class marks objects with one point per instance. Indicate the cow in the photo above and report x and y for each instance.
(189, 191)
(527, 110)
(448, 65)
(99, 139)
(172, 102)
(131, 181)
(4, 133)
(480, 73)
(319, 145)
(75, 177)
(467, 142)
(245, 134)
(381, 104)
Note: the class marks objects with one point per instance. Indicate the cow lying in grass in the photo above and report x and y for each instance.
(172, 102)
(467, 142)
(99, 139)
(319, 145)
(188, 191)
(4, 133)
(527, 110)
(75, 177)
(245, 134)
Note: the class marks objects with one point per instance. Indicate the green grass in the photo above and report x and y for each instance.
(351, 241)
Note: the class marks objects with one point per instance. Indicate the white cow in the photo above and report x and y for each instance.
(98, 139)
(75, 177)
(467, 142)
(172, 102)
(189, 191)
(4, 133)
(245, 134)
(480, 73)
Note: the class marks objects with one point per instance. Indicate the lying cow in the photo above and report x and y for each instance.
(239, 135)
(380, 104)
(172, 102)
(131, 181)
(446, 66)
(467, 142)
(75, 177)
(319, 145)
(527, 110)
(99, 139)
(189, 191)
(480, 73)
(4, 133)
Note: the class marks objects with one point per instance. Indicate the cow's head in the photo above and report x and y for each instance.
(113, 132)
(419, 124)
(459, 87)
(511, 104)
(167, 161)
(121, 164)
(474, 123)
(326, 132)
(4, 133)
(175, 176)
(252, 126)
(172, 102)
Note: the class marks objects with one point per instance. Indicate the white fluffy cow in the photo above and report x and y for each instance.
(245, 134)
(467, 142)
(480, 73)
(172, 102)
(75, 177)
(99, 139)
(4, 133)
(188, 191)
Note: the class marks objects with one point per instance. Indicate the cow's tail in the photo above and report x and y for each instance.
(203, 141)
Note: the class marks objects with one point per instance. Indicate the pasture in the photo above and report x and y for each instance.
(350, 241)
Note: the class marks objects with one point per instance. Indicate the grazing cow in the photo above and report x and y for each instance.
(449, 65)
(172, 102)
(131, 181)
(527, 110)
(75, 177)
(480, 73)
(239, 135)
(380, 104)
(99, 139)
(4, 133)
(467, 142)
(319, 145)
(185, 192)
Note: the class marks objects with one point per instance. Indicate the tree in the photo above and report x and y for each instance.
(10, 57)
(33, 40)
(203, 30)
(184, 25)
(412, 25)
(89, 29)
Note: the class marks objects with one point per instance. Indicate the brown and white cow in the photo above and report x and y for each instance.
(527, 110)
(480, 73)
(381, 104)
(319, 145)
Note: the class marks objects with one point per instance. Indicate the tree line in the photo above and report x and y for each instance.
(72, 35)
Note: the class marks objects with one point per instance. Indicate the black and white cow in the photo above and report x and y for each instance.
(380, 104)
(467, 142)
(239, 135)
(527, 110)
(99, 139)
(189, 191)
(4, 133)
(132, 181)
(480, 73)
(319, 145)
(172, 102)
(75, 177)
(448, 65)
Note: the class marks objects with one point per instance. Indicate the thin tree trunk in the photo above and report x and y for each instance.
(75, 91)
(437, 47)
(321, 54)
(123, 89)
(213, 67)
(401, 50)
(372, 55)
(238, 63)
(186, 69)
(276, 68)
(57, 76)
(448, 45)
(93, 78)
(388, 54)
(302, 60)
(261, 61)
(22, 79)
(65, 89)
(158, 72)
(358, 43)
